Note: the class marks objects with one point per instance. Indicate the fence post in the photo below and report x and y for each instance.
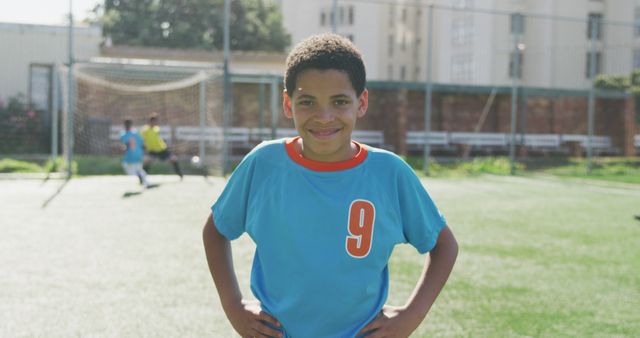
(54, 114)
(591, 104)
(428, 93)
(70, 96)
(514, 99)
(202, 108)
(226, 117)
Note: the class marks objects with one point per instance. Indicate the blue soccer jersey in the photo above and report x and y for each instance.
(134, 152)
(324, 232)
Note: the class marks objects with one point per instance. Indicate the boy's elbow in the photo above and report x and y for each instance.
(208, 230)
(447, 243)
(210, 233)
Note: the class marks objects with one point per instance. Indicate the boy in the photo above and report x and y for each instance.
(156, 147)
(325, 213)
(133, 153)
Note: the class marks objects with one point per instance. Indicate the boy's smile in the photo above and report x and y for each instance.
(324, 108)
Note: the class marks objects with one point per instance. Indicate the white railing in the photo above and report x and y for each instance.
(116, 131)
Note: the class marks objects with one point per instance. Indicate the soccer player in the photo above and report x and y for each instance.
(325, 213)
(133, 153)
(156, 147)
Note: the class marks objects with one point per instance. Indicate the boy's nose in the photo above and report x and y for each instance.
(325, 114)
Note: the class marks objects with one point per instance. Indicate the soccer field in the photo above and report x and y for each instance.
(99, 257)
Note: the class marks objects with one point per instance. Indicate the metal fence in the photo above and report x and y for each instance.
(446, 80)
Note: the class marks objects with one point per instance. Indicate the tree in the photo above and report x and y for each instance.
(254, 24)
(629, 83)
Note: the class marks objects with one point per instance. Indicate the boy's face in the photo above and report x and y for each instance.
(324, 108)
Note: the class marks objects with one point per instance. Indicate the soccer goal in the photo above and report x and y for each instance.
(187, 98)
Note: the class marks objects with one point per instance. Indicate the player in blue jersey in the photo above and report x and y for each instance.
(325, 213)
(133, 152)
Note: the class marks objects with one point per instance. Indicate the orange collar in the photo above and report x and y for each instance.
(358, 158)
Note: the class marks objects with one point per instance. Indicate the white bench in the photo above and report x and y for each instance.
(369, 137)
(599, 142)
(116, 131)
(263, 134)
(417, 138)
(582, 139)
(237, 135)
(480, 139)
(542, 141)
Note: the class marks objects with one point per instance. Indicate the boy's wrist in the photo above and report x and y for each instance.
(416, 312)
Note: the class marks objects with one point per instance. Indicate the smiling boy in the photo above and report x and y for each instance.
(325, 213)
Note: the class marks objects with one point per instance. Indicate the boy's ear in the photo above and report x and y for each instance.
(363, 103)
(286, 105)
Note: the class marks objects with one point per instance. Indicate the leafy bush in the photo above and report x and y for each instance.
(479, 165)
(9, 165)
(21, 129)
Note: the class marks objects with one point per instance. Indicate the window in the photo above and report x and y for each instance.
(341, 21)
(636, 59)
(40, 81)
(519, 57)
(462, 32)
(416, 74)
(391, 42)
(404, 15)
(517, 23)
(323, 18)
(403, 43)
(351, 15)
(350, 37)
(462, 67)
(598, 64)
(390, 72)
(594, 26)
(403, 73)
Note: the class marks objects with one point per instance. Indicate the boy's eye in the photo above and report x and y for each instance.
(341, 102)
(305, 103)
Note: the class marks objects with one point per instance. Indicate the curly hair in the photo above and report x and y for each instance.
(325, 51)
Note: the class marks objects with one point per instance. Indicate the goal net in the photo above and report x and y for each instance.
(187, 99)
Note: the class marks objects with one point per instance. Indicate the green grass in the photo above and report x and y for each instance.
(538, 258)
(624, 169)
(8, 165)
(459, 168)
(617, 169)
(82, 166)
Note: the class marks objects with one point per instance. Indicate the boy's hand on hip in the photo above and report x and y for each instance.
(249, 321)
(392, 321)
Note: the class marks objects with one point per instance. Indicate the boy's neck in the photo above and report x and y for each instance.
(294, 149)
(354, 148)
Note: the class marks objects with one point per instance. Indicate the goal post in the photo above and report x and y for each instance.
(187, 98)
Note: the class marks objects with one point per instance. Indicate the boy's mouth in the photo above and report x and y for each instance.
(324, 133)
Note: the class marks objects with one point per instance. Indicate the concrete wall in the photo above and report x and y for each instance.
(25, 44)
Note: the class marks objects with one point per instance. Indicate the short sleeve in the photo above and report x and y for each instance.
(421, 219)
(230, 210)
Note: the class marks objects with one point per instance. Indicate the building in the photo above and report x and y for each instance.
(477, 42)
(29, 53)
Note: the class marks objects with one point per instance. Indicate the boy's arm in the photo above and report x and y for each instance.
(402, 321)
(247, 318)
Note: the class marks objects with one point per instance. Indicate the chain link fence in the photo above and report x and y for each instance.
(489, 82)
